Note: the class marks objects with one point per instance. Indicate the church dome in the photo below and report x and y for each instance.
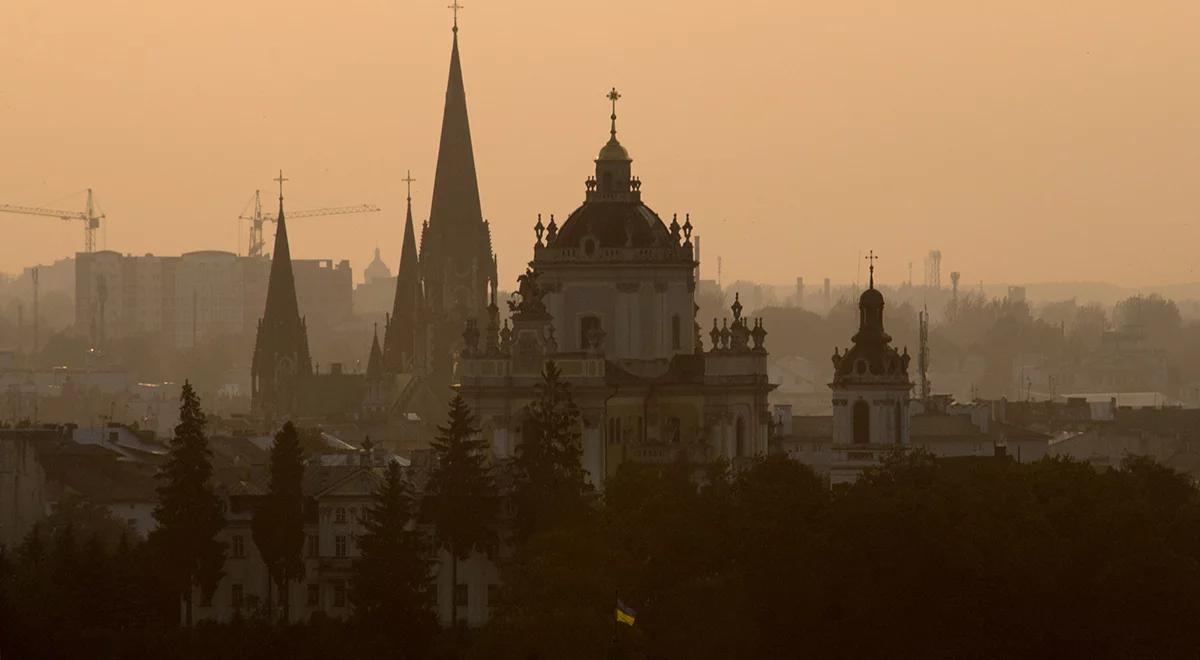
(612, 225)
(871, 298)
(613, 150)
(613, 217)
(376, 270)
(872, 358)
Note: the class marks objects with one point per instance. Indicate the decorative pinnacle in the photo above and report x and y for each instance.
(614, 96)
(871, 258)
(454, 6)
(409, 180)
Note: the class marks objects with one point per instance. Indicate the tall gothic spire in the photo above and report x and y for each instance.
(281, 287)
(457, 263)
(455, 187)
(281, 346)
(400, 336)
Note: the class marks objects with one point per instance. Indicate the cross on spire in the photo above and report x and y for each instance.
(614, 96)
(454, 6)
(871, 257)
(408, 178)
(280, 179)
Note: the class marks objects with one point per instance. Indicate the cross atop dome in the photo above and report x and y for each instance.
(612, 150)
(454, 6)
(614, 96)
(871, 257)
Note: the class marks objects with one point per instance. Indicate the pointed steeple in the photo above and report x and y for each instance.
(281, 287)
(375, 361)
(455, 186)
(456, 258)
(281, 347)
(400, 336)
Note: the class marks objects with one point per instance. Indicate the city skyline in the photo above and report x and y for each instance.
(1068, 129)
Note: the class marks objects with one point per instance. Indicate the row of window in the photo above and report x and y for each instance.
(312, 595)
(341, 546)
(237, 595)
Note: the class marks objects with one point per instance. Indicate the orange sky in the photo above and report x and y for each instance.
(1029, 140)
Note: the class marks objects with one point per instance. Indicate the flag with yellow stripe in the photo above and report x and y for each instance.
(625, 613)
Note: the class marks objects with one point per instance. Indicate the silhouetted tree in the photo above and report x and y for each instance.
(189, 513)
(392, 590)
(460, 498)
(550, 487)
(278, 525)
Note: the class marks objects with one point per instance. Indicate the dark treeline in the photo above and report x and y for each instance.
(921, 558)
(954, 558)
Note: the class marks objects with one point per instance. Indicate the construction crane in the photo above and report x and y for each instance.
(91, 217)
(257, 219)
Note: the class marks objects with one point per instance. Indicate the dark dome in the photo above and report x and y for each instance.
(874, 360)
(871, 358)
(613, 224)
(871, 298)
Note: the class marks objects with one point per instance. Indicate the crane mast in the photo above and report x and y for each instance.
(90, 216)
(258, 219)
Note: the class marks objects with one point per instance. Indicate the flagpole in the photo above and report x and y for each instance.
(612, 651)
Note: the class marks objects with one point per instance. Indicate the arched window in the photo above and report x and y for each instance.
(676, 332)
(608, 183)
(862, 422)
(587, 324)
(899, 423)
(740, 449)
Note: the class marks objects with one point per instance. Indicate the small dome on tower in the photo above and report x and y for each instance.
(871, 298)
(613, 150)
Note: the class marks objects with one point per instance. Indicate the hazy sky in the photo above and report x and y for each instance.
(1027, 139)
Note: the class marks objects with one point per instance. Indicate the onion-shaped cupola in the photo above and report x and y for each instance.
(872, 358)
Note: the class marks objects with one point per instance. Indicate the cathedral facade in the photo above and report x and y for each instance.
(609, 297)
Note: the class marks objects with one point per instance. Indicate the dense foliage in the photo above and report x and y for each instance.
(460, 499)
(549, 487)
(189, 512)
(926, 558)
(278, 525)
(921, 558)
(392, 590)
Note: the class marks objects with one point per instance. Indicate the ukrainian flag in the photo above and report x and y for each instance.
(625, 613)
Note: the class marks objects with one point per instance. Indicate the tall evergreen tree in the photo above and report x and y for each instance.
(550, 487)
(392, 590)
(189, 513)
(278, 526)
(460, 498)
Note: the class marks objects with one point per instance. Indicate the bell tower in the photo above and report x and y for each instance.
(871, 390)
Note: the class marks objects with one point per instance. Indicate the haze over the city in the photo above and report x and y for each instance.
(1029, 141)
